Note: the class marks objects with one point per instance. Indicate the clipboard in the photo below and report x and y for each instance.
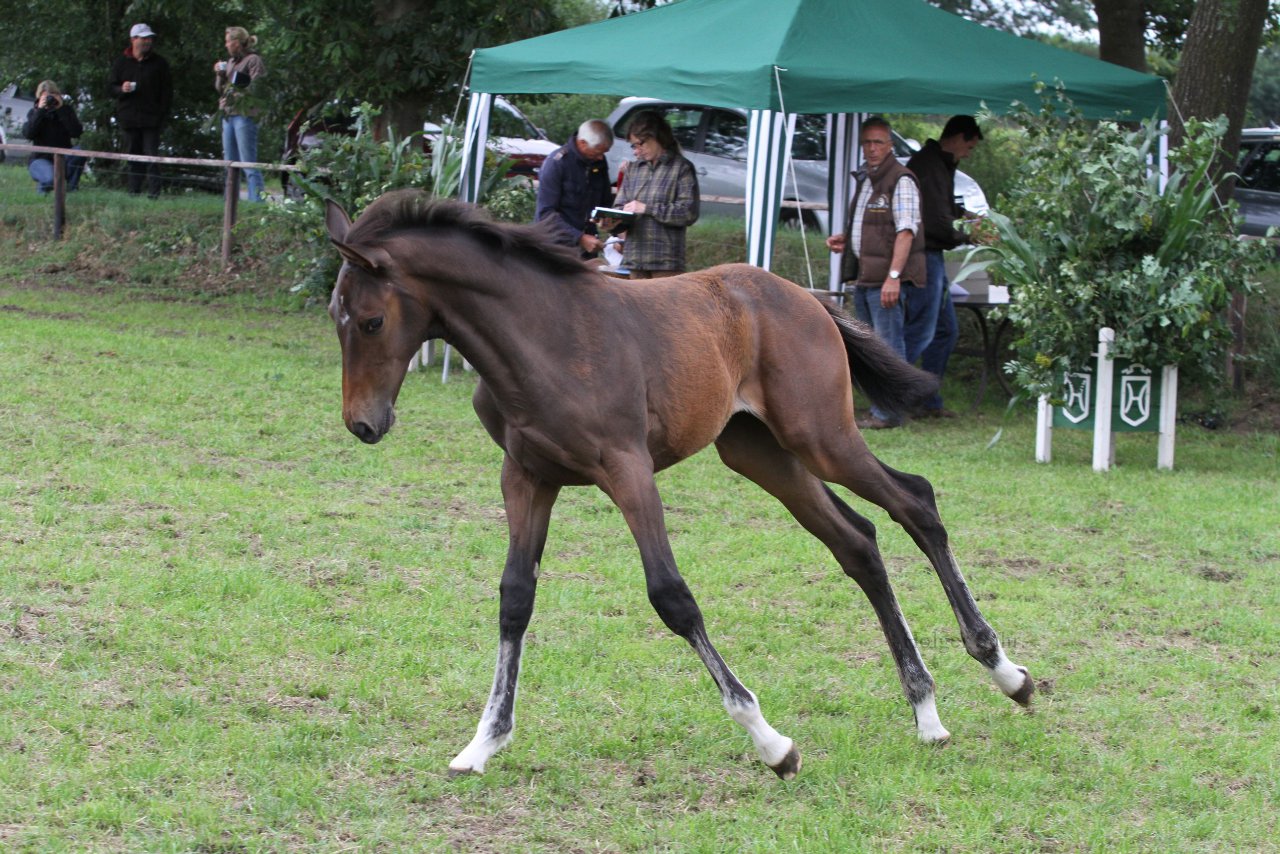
(613, 213)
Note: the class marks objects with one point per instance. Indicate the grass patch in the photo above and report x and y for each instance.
(225, 625)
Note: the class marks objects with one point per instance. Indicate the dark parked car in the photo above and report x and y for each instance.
(1258, 188)
(715, 141)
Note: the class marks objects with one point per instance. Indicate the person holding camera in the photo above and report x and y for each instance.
(52, 122)
(143, 88)
(232, 78)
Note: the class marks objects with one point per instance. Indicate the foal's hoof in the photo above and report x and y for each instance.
(1023, 695)
(789, 767)
(463, 772)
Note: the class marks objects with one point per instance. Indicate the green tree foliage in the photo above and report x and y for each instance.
(74, 44)
(408, 56)
(1264, 96)
(1023, 18)
(560, 115)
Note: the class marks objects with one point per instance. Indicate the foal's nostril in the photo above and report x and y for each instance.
(365, 433)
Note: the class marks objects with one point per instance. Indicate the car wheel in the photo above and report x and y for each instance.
(789, 219)
(290, 188)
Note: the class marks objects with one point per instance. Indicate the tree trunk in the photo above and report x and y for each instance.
(1215, 71)
(1122, 30)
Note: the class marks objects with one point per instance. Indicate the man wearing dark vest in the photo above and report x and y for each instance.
(883, 244)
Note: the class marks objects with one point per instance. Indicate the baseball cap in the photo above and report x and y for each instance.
(140, 31)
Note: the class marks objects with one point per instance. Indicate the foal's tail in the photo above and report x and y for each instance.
(878, 371)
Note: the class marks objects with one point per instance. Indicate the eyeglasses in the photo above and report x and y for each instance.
(867, 142)
(639, 144)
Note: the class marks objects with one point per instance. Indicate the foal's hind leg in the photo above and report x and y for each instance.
(845, 459)
(629, 482)
(747, 447)
(528, 505)
(911, 504)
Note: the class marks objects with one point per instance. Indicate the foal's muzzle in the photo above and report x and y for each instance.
(372, 433)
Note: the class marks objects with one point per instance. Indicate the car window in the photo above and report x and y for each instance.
(726, 135)
(810, 139)
(503, 122)
(684, 123)
(1261, 168)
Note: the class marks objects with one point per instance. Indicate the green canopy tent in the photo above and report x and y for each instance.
(778, 58)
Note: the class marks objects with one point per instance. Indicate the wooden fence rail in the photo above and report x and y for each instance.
(231, 187)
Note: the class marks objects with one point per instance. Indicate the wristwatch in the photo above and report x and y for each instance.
(893, 274)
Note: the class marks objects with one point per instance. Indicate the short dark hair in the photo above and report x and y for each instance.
(650, 124)
(877, 122)
(965, 126)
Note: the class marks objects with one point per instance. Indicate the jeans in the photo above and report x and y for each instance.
(921, 305)
(888, 324)
(945, 335)
(41, 171)
(240, 142)
(143, 141)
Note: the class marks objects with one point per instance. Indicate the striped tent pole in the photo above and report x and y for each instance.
(843, 156)
(768, 137)
(473, 145)
(473, 148)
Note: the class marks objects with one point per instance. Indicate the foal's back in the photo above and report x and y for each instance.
(729, 339)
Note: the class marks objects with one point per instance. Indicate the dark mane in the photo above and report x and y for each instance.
(417, 209)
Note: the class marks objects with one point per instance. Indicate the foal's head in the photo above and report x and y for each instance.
(378, 326)
(393, 284)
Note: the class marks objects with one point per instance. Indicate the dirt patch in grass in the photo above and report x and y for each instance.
(1014, 567)
(1213, 573)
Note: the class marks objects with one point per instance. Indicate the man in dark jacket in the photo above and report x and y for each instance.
(573, 181)
(930, 329)
(143, 89)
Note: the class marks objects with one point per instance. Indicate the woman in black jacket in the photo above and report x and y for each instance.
(52, 122)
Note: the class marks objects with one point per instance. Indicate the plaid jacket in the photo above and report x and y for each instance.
(669, 189)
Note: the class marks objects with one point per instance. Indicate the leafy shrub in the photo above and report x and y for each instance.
(560, 115)
(513, 201)
(354, 171)
(1087, 239)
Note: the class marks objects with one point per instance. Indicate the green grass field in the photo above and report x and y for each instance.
(226, 625)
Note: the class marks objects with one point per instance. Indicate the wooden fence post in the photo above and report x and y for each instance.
(231, 197)
(59, 195)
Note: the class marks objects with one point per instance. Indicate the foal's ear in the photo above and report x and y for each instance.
(372, 259)
(336, 220)
(369, 258)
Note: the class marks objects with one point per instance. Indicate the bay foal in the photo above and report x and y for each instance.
(587, 380)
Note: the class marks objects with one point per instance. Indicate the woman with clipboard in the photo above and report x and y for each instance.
(660, 189)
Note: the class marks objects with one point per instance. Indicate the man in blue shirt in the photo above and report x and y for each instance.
(573, 181)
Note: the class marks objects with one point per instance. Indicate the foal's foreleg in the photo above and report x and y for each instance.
(631, 487)
(528, 504)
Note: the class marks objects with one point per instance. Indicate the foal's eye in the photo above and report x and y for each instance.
(372, 325)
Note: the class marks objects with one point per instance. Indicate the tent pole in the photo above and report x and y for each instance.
(843, 156)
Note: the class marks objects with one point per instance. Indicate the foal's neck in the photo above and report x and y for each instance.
(507, 316)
